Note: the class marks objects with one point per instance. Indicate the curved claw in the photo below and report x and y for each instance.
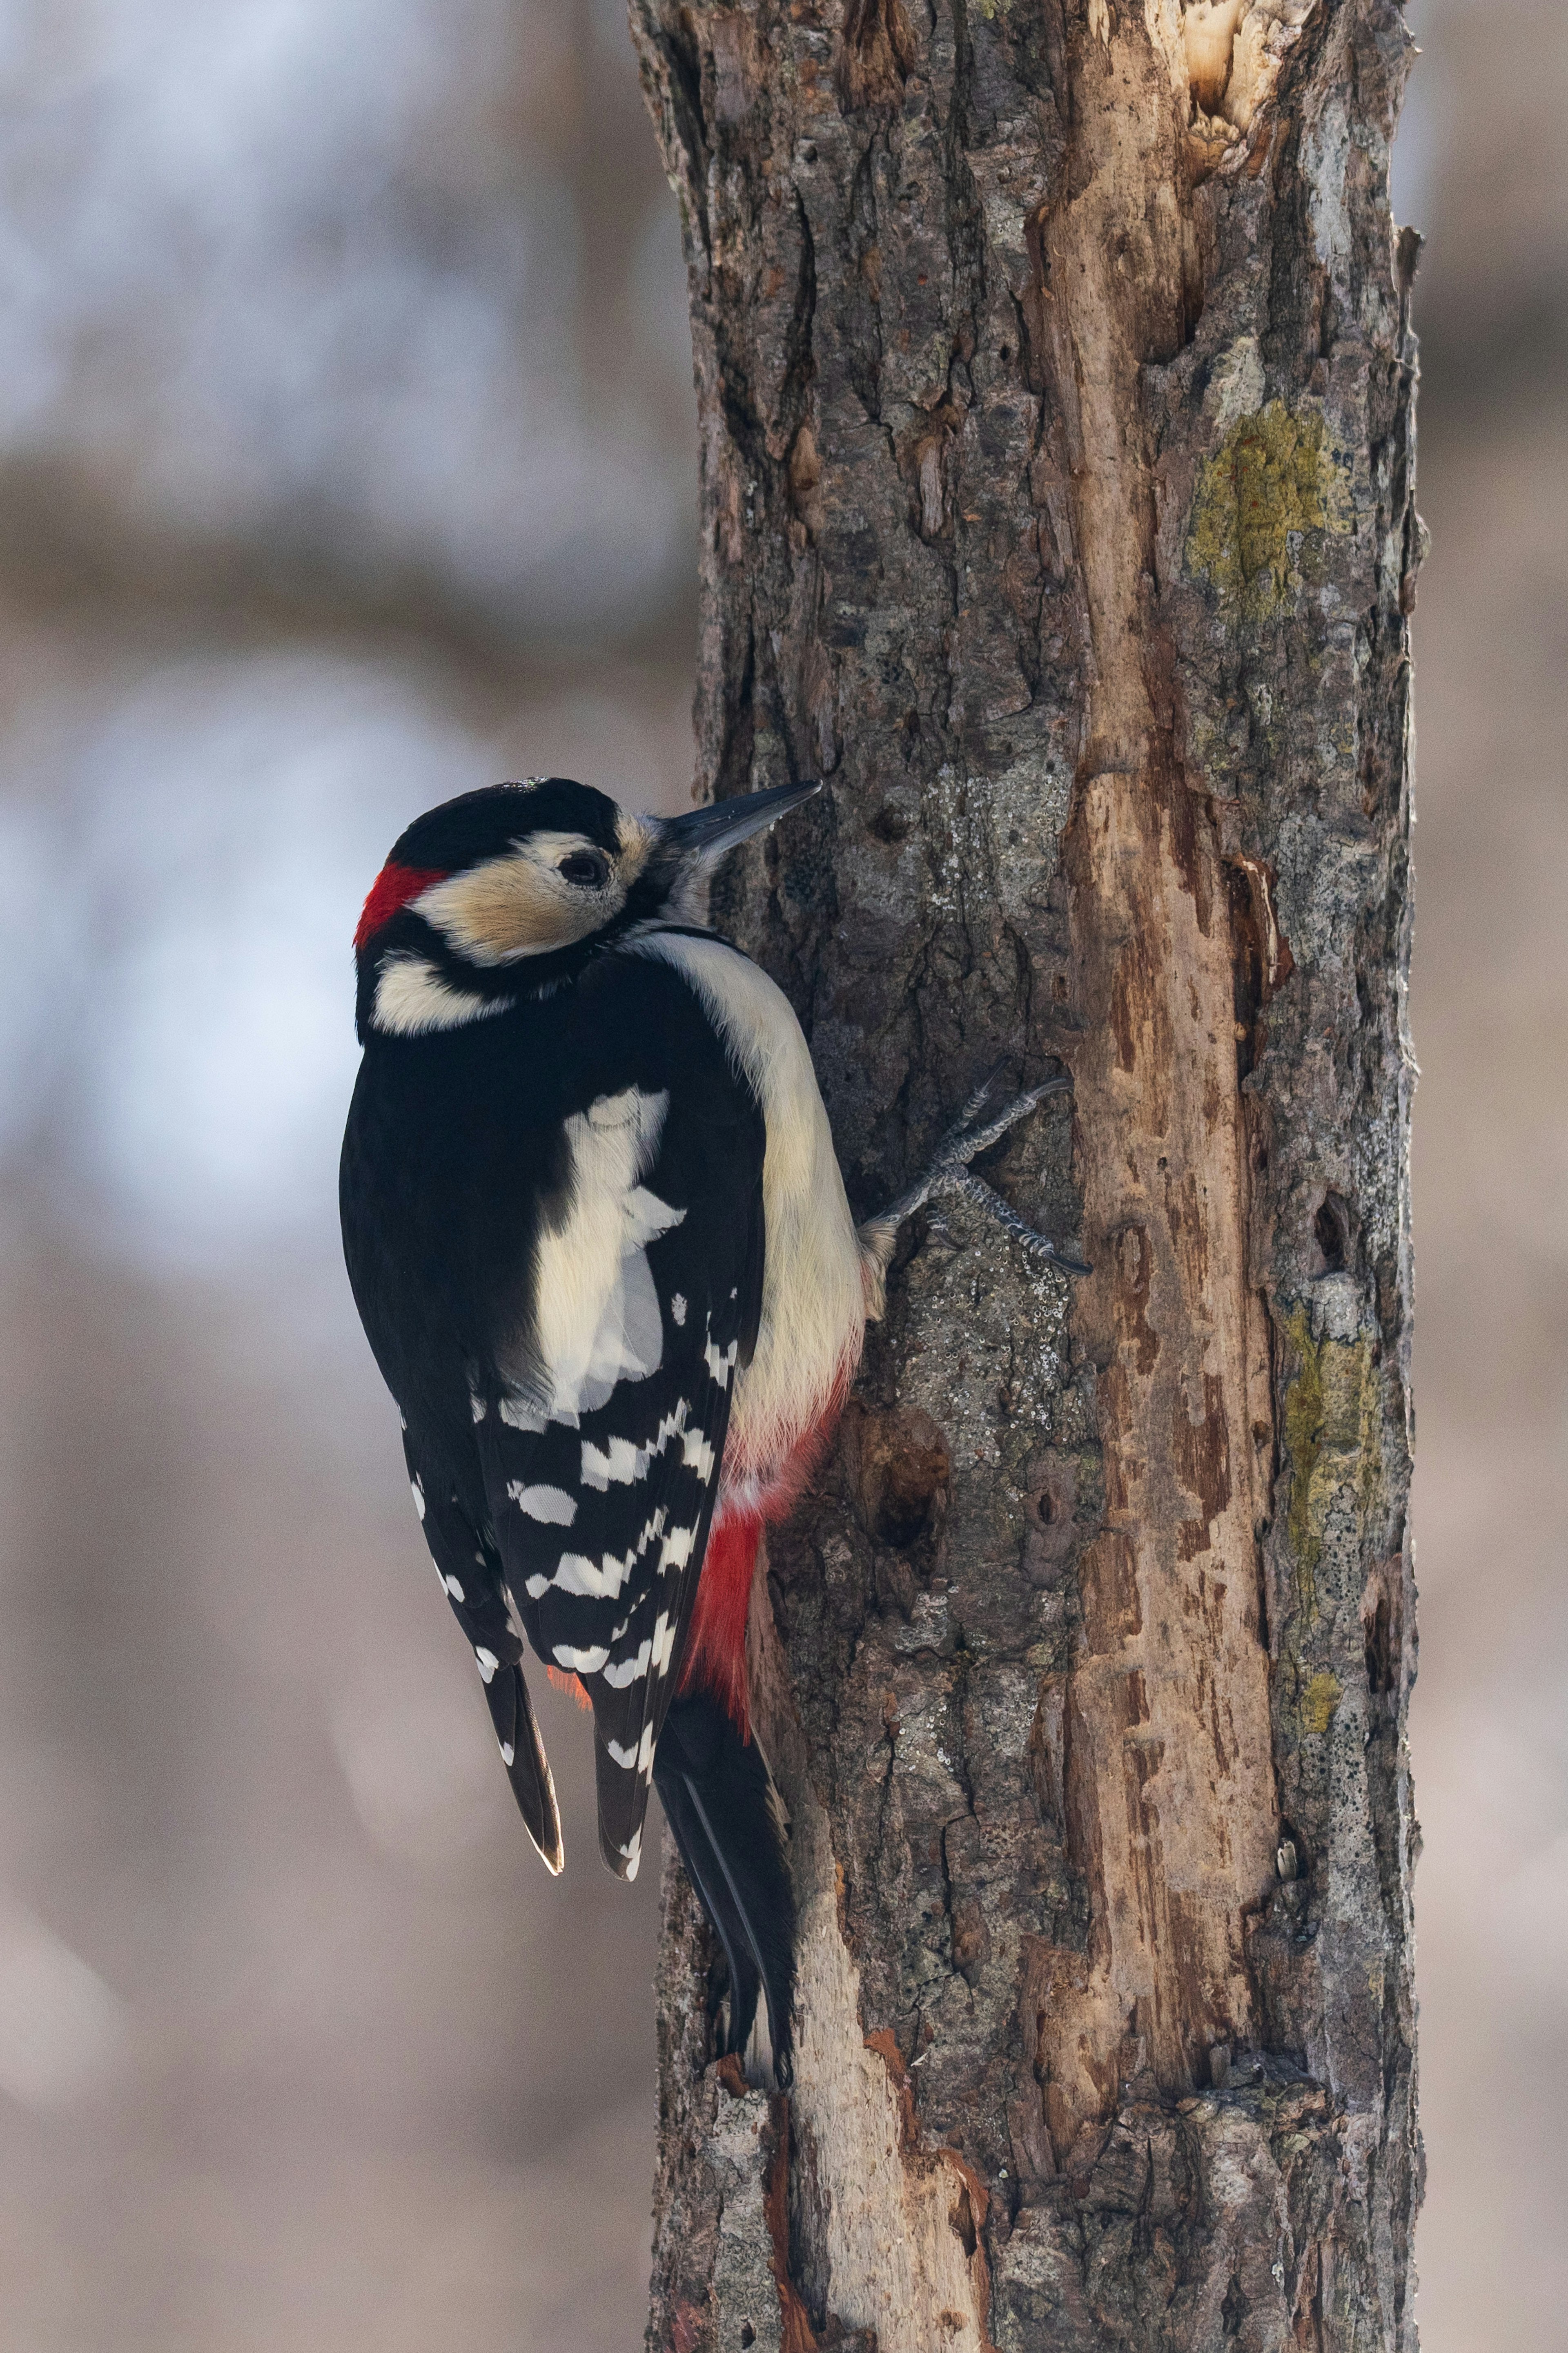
(950, 1172)
(985, 1197)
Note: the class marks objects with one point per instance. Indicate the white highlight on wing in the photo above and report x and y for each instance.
(720, 1363)
(597, 1312)
(622, 1672)
(417, 1492)
(412, 998)
(812, 1309)
(551, 1504)
(632, 1853)
(485, 1660)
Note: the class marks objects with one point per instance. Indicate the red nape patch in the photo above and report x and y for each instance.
(564, 1682)
(393, 888)
(716, 1646)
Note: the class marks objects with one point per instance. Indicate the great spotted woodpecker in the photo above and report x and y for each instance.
(599, 1240)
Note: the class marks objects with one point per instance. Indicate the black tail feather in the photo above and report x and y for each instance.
(528, 1767)
(720, 1800)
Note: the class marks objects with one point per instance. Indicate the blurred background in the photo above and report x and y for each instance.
(346, 461)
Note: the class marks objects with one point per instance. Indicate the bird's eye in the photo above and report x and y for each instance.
(585, 868)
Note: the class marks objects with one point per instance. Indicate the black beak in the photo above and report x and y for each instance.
(707, 835)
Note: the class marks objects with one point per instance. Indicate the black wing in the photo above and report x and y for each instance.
(473, 1580)
(601, 1477)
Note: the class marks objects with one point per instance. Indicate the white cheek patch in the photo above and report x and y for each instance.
(412, 999)
(519, 904)
(597, 1312)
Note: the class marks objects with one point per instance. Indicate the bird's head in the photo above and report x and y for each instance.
(501, 892)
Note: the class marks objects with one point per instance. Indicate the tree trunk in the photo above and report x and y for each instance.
(1054, 390)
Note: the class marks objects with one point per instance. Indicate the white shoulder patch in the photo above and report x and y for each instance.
(596, 1311)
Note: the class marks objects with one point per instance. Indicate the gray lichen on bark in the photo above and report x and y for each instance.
(1055, 388)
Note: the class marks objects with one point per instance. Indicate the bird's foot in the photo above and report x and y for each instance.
(979, 1124)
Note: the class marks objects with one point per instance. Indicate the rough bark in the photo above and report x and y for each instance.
(1055, 389)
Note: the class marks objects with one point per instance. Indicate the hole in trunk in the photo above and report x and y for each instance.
(899, 1470)
(1331, 1235)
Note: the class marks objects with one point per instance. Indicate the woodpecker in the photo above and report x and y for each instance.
(599, 1240)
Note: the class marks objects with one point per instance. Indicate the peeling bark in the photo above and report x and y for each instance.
(1055, 389)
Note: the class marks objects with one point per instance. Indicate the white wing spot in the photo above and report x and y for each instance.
(697, 1455)
(638, 1759)
(633, 1854)
(553, 1505)
(663, 1642)
(677, 1550)
(622, 1462)
(454, 1588)
(678, 1307)
(485, 1660)
(417, 1492)
(478, 1405)
(580, 1662)
(507, 1753)
(577, 1574)
(628, 1670)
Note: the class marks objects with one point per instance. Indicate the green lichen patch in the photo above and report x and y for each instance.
(1333, 1444)
(1320, 1697)
(1270, 490)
